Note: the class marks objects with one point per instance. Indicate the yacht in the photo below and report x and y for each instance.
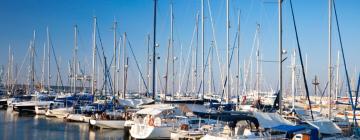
(38, 104)
(154, 122)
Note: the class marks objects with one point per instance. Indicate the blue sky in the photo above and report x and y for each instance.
(20, 17)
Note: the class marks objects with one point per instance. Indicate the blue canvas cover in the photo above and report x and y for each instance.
(288, 128)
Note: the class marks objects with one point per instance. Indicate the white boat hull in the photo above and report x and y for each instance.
(37, 107)
(78, 118)
(139, 131)
(177, 135)
(58, 112)
(108, 124)
(218, 137)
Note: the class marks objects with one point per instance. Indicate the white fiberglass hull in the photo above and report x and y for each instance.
(78, 118)
(139, 131)
(58, 112)
(10, 102)
(219, 137)
(108, 124)
(33, 106)
(182, 134)
(40, 110)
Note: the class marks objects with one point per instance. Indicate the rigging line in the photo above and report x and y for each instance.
(344, 62)
(247, 75)
(323, 91)
(106, 70)
(57, 64)
(215, 42)
(301, 60)
(137, 64)
(232, 53)
(188, 76)
(22, 64)
(188, 57)
(207, 60)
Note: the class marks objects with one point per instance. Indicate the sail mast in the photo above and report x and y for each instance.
(195, 71)
(329, 57)
(115, 56)
(43, 68)
(167, 70)
(75, 57)
(203, 49)
(258, 62)
(337, 76)
(48, 46)
(154, 53)
(280, 55)
(33, 64)
(125, 65)
(293, 72)
(210, 68)
(180, 70)
(227, 52)
(238, 58)
(93, 81)
(9, 70)
(173, 58)
(148, 65)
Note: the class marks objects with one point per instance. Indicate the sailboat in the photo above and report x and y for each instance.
(154, 122)
(39, 102)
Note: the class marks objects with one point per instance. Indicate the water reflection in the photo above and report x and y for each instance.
(26, 127)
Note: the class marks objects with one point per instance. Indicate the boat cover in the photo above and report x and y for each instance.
(228, 117)
(135, 103)
(152, 111)
(270, 120)
(326, 126)
(289, 128)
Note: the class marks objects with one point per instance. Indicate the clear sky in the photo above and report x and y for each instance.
(20, 17)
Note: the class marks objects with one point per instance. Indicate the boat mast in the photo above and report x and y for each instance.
(238, 58)
(125, 75)
(173, 58)
(75, 56)
(48, 45)
(180, 70)
(329, 56)
(115, 56)
(125, 65)
(118, 68)
(337, 76)
(154, 53)
(148, 65)
(227, 52)
(258, 62)
(33, 64)
(210, 68)
(167, 70)
(43, 68)
(93, 81)
(293, 71)
(202, 49)
(280, 55)
(196, 55)
(9, 73)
